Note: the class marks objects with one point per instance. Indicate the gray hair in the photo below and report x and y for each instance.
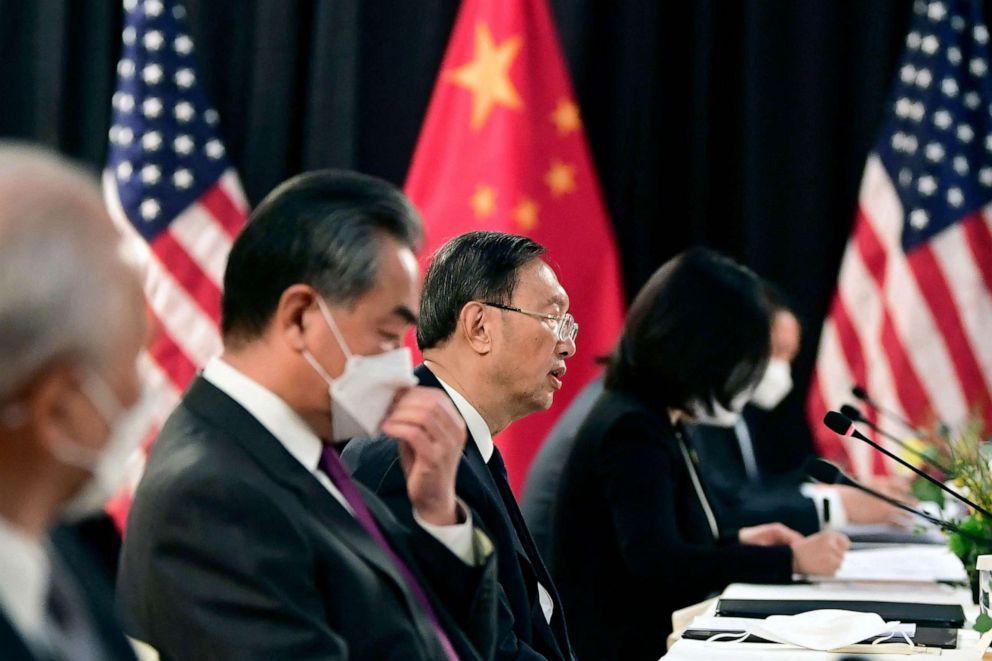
(64, 281)
(475, 266)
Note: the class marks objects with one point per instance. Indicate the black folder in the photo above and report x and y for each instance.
(950, 616)
(924, 637)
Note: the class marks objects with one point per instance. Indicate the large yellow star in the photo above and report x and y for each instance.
(487, 76)
(483, 201)
(566, 117)
(560, 178)
(526, 214)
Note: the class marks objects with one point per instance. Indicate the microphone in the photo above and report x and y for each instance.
(841, 424)
(824, 471)
(856, 416)
(862, 394)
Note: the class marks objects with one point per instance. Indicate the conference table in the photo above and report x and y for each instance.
(917, 582)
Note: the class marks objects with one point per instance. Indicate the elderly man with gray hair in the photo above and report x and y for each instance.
(71, 326)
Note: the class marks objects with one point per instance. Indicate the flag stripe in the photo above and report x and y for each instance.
(873, 253)
(913, 325)
(161, 392)
(830, 445)
(205, 240)
(195, 332)
(978, 233)
(937, 294)
(850, 343)
(834, 381)
(912, 396)
(170, 357)
(188, 274)
(222, 207)
(858, 286)
(968, 297)
(231, 185)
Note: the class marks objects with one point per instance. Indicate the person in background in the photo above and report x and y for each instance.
(495, 333)
(635, 535)
(747, 493)
(743, 493)
(72, 323)
(247, 538)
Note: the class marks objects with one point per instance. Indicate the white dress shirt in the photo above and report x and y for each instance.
(306, 447)
(829, 506)
(25, 574)
(480, 431)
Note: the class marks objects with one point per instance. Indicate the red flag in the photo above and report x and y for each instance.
(503, 148)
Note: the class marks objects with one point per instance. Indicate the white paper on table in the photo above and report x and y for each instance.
(919, 593)
(909, 562)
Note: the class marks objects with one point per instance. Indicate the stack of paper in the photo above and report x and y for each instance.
(910, 562)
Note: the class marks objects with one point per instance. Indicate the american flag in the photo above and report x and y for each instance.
(170, 188)
(911, 319)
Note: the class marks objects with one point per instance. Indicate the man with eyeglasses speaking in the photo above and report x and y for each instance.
(495, 333)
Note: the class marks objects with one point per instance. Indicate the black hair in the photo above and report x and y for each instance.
(699, 329)
(477, 266)
(319, 228)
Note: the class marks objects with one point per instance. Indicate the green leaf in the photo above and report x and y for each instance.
(960, 546)
(927, 491)
(983, 623)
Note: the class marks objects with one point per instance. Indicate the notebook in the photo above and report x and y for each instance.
(947, 616)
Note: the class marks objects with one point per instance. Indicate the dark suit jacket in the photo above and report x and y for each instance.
(740, 501)
(95, 594)
(523, 630)
(632, 543)
(235, 551)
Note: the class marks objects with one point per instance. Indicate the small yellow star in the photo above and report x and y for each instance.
(487, 76)
(526, 214)
(483, 201)
(566, 117)
(560, 178)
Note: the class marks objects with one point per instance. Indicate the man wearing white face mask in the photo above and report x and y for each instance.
(247, 539)
(71, 326)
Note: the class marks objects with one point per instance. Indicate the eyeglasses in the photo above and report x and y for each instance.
(567, 328)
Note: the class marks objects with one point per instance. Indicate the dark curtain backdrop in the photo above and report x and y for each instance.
(743, 125)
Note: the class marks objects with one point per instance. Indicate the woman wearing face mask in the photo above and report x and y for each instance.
(635, 535)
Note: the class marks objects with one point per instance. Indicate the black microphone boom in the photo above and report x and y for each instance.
(862, 394)
(856, 415)
(841, 424)
(822, 470)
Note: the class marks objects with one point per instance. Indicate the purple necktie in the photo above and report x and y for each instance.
(331, 464)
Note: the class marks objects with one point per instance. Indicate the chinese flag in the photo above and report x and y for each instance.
(503, 148)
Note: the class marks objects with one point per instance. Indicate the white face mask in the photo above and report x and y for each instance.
(716, 414)
(109, 465)
(775, 384)
(362, 395)
(823, 630)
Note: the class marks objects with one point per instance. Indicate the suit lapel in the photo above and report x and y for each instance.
(474, 476)
(231, 420)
